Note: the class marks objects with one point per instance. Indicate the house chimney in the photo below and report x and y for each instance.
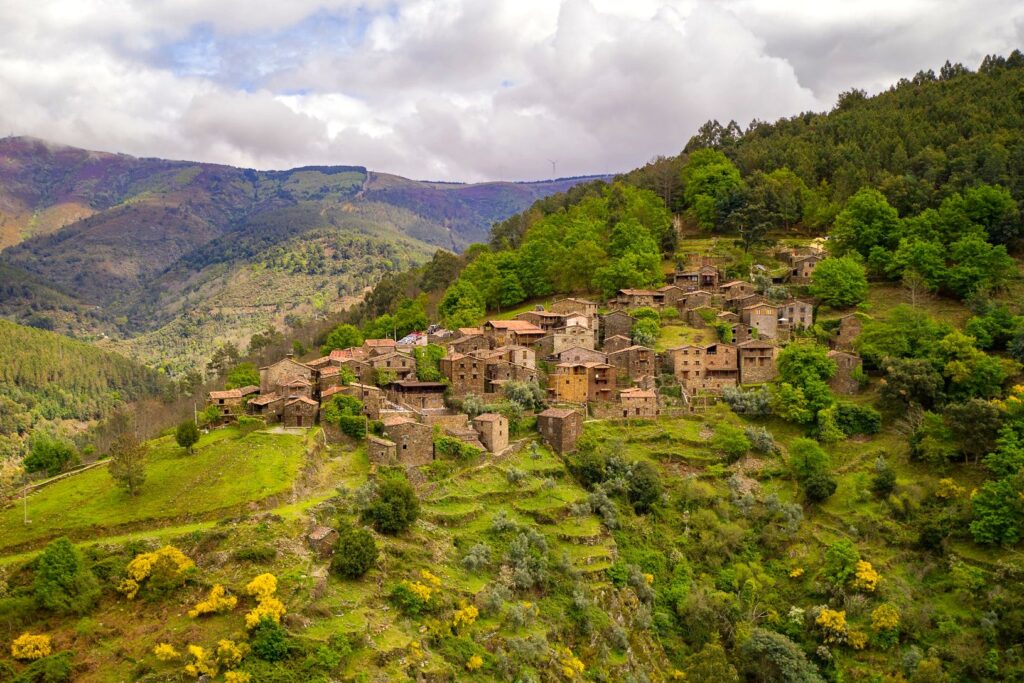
(289, 355)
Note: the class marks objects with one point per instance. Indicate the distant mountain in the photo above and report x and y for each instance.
(95, 243)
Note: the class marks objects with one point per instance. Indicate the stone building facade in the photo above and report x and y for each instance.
(560, 428)
(493, 431)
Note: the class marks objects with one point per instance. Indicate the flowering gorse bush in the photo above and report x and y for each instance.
(29, 647)
(168, 562)
(216, 602)
(833, 625)
(263, 588)
(165, 652)
(865, 577)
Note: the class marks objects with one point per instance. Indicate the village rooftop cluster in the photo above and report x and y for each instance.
(581, 353)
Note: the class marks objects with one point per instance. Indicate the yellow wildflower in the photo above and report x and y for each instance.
(203, 663)
(230, 653)
(949, 489)
(858, 640)
(237, 677)
(216, 602)
(430, 578)
(475, 662)
(267, 607)
(262, 586)
(165, 652)
(465, 616)
(649, 578)
(28, 647)
(572, 666)
(866, 578)
(141, 567)
(833, 625)
(885, 617)
(796, 573)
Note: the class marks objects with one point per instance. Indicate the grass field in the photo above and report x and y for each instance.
(228, 469)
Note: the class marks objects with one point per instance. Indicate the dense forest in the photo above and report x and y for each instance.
(46, 378)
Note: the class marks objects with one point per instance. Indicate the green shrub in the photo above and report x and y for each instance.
(644, 486)
(255, 553)
(819, 487)
(355, 553)
(269, 640)
(455, 449)
(53, 669)
(730, 441)
(353, 426)
(63, 583)
(394, 508)
(854, 419)
(50, 454)
(841, 561)
(187, 435)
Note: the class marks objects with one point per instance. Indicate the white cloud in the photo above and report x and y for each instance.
(455, 89)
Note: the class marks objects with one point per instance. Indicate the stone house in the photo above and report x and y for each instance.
(704, 368)
(579, 354)
(499, 372)
(582, 382)
(512, 353)
(696, 299)
(727, 317)
(414, 442)
(545, 320)
(328, 377)
(741, 332)
(639, 403)
(616, 343)
(617, 323)
(268, 406)
(672, 295)
(801, 267)
(850, 327)
(381, 451)
(756, 360)
(231, 402)
(638, 298)
(797, 313)
(575, 305)
(742, 302)
(493, 431)
(847, 367)
(297, 387)
(762, 317)
(371, 396)
(737, 289)
(512, 332)
(570, 336)
(377, 347)
(401, 364)
(465, 374)
(275, 376)
(705, 277)
(300, 411)
(321, 540)
(417, 395)
(633, 361)
(468, 344)
(560, 428)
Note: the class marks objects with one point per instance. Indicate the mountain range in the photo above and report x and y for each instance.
(162, 258)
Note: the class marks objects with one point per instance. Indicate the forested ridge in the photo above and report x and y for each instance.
(47, 377)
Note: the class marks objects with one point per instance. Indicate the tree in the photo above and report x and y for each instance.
(269, 640)
(242, 375)
(225, 357)
(810, 465)
(428, 362)
(394, 508)
(645, 332)
(11, 474)
(975, 425)
(730, 441)
(462, 305)
(50, 454)
(187, 435)
(866, 221)
(712, 185)
(62, 582)
(771, 657)
(128, 462)
(343, 336)
(993, 208)
(644, 486)
(355, 553)
(839, 282)
(841, 560)
(710, 665)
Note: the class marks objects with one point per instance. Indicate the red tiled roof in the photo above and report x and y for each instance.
(301, 399)
(330, 391)
(227, 393)
(265, 399)
(354, 353)
(520, 326)
(488, 417)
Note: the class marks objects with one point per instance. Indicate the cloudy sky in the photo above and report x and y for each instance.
(456, 89)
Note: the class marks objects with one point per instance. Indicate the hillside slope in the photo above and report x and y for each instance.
(130, 244)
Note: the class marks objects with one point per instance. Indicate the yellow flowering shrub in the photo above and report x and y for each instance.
(833, 625)
(262, 586)
(203, 662)
(165, 652)
(168, 560)
(430, 578)
(858, 640)
(267, 607)
(416, 653)
(572, 666)
(678, 675)
(885, 617)
(230, 653)
(217, 601)
(237, 677)
(649, 579)
(475, 662)
(796, 573)
(422, 591)
(28, 647)
(948, 489)
(866, 578)
(465, 616)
